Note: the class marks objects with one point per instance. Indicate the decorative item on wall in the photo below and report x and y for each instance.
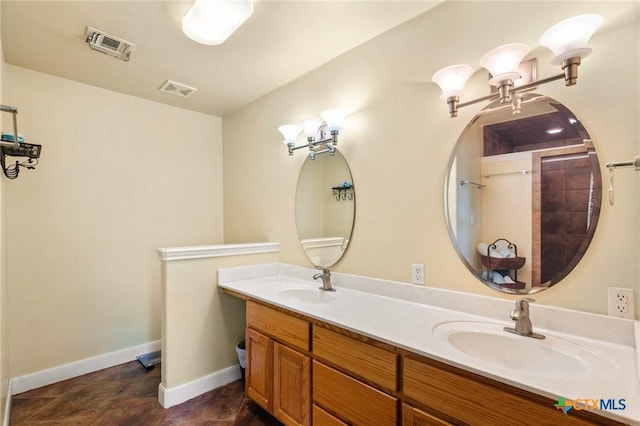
(13, 144)
(568, 41)
(212, 22)
(316, 130)
(343, 192)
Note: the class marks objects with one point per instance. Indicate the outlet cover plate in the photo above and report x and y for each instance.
(621, 302)
(417, 273)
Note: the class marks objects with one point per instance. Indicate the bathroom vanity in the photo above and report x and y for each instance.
(364, 358)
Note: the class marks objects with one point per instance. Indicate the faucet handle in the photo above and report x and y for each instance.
(521, 300)
(325, 273)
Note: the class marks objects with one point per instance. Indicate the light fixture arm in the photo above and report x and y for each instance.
(570, 75)
(331, 149)
(312, 143)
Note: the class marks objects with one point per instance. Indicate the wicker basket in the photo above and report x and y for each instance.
(500, 263)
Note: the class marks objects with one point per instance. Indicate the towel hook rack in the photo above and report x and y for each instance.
(618, 164)
(16, 148)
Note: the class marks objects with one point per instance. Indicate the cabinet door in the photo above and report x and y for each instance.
(413, 417)
(292, 386)
(259, 370)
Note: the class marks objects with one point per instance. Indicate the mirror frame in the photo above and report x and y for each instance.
(343, 191)
(594, 216)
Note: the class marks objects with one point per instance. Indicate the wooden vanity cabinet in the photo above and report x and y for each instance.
(278, 373)
(354, 380)
(450, 395)
(305, 372)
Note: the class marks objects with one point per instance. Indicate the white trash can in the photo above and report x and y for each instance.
(240, 350)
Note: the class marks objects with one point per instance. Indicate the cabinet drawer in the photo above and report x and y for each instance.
(285, 328)
(370, 362)
(464, 397)
(322, 418)
(414, 417)
(351, 400)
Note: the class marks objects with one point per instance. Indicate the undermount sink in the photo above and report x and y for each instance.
(553, 356)
(306, 295)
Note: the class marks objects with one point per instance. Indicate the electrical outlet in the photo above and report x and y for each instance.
(417, 273)
(621, 302)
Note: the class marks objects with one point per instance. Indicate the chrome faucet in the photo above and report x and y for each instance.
(326, 279)
(521, 316)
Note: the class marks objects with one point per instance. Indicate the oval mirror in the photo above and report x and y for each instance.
(325, 208)
(523, 194)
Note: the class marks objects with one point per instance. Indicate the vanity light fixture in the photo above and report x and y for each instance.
(212, 22)
(567, 40)
(315, 130)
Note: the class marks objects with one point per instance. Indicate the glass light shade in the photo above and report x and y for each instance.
(310, 126)
(213, 21)
(569, 38)
(290, 133)
(502, 62)
(334, 118)
(452, 79)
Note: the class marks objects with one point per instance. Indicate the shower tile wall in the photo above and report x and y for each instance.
(565, 191)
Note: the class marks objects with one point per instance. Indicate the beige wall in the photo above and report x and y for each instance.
(506, 206)
(4, 329)
(119, 177)
(398, 139)
(201, 325)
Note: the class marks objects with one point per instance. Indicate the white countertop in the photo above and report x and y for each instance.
(407, 320)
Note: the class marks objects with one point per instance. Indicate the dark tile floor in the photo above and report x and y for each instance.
(126, 395)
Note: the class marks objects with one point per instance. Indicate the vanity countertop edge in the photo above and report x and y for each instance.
(366, 306)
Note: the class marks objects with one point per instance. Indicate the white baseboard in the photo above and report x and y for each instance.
(78, 368)
(179, 394)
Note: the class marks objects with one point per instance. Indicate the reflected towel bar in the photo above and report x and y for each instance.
(522, 172)
(477, 185)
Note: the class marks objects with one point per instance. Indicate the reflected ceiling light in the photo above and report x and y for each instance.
(554, 131)
(211, 22)
(315, 130)
(567, 40)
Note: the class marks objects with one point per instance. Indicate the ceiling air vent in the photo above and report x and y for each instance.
(177, 89)
(110, 45)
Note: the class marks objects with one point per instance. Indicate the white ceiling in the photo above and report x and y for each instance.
(281, 41)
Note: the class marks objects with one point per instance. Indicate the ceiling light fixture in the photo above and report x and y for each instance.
(315, 129)
(567, 40)
(211, 22)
